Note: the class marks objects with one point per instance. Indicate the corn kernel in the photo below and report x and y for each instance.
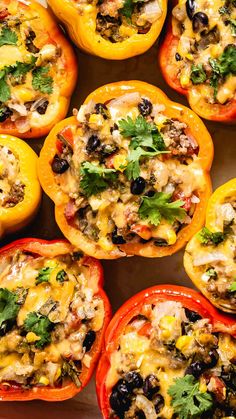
(1, 167)
(120, 162)
(44, 380)
(105, 244)
(202, 387)
(206, 338)
(216, 50)
(58, 373)
(23, 94)
(171, 236)
(189, 57)
(31, 337)
(167, 324)
(96, 121)
(184, 80)
(126, 31)
(184, 342)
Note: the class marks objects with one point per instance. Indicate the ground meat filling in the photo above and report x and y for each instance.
(215, 258)
(11, 188)
(205, 55)
(29, 66)
(131, 173)
(169, 364)
(50, 319)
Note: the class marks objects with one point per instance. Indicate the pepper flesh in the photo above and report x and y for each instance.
(60, 199)
(189, 298)
(223, 194)
(16, 217)
(82, 30)
(52, 31)
(52, 249)
(216, 112)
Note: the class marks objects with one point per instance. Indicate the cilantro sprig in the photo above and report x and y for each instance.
(224, 65)
(8, 37)
(187, 399)
(41, 326)
(41, 81)
(232, 287)
(95, 179)
(146, 141)
(9, 309)
(160, 206)
(128, 7)
(208, 238)
(198, 74)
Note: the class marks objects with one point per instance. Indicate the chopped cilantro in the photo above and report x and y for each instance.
(187, 399)
(43, 275)
(208, 238)
(8, 309)
(20, 69)
(224, 65)
(128, 7)
(146, 141)
(198, 74)
(95, 179)
(41, 326)
(8, 37)
(232, 287)
(5, 92)
(160, 206)
(41, 81)
(61, 276)
(211, 272)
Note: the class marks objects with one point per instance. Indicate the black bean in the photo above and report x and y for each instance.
(150, 193)
(93, 143)
(200, 20)
(89, 340)
(145, 107)
(178, 57)
(160, 243)
(190, 8)
(196, 368)
(100, 108)
(29, 43)
(5, 113)
(228, 374)
(214, 357)
(41, 109)
(133, 380)
(158, 402)
(116, 238)
(140, 415)
(119, 403)
(137, 186)
(151, 386)
(192, 316)
(59, 165)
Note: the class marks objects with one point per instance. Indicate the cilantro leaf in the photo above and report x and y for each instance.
(20, 69)
(61, 276)
(41, 81)
(208, 238)
(95, 179)
(8, 37)
(146, 141)
(198, 74)
(8, 309)
(128, 7)
(232, 287)
(41, 326)
(5, 92)
(211, 272)
(224, 65)
(187, 399)
(160, 206)
(43, 275)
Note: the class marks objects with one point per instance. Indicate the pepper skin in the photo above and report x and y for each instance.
(225, 113)
(223, 194)
(187, 297)
(16, 217)
(50, 33)
(199, 132)
(82, 30)
(52, 249)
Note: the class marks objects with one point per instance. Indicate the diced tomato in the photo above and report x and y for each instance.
(110, 161)
(143, 231)
(68, 135)
(145, 330)
(59, 146)
(70, 211)
(3, 14)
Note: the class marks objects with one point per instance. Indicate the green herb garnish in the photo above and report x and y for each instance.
(62, 276)
(187, 399)
(9, 309)
(41, 81)
(43, 275)
(8, 37)
(95, 179)
(198, 74)
(160, 206)
(41, 326)
(208, 238)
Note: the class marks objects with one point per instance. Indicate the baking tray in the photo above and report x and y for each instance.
(127, 276)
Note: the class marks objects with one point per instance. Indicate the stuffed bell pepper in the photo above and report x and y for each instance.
(53, 313)
(168, 354)
(38, 70)
(198, 56)
(210, 256)
(20, 191)
(112, 29)
(128, 173)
